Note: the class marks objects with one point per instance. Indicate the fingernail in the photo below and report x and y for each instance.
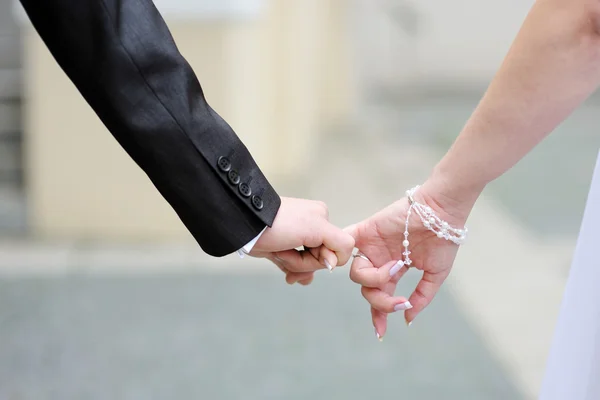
(380, 338)
(409, 323)
(396, 268)
(329, 267)
(403, 306)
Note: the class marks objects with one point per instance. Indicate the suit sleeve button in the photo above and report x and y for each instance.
(224, 164)
(234, 177)
(245, 190)
(257, 202)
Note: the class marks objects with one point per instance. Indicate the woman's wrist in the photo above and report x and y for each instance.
(453, 197)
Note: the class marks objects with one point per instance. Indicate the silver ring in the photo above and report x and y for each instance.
(361, 255)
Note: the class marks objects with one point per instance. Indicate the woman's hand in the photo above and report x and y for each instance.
(380, 238)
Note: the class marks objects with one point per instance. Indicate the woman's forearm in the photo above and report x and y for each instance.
(552, 66)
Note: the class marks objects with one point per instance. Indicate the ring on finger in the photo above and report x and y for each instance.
(361, 255)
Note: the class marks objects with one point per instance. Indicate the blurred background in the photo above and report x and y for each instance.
(346, 101)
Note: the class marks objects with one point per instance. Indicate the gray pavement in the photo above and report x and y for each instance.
(195, 336)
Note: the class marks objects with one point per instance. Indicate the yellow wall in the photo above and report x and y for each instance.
(277, 80)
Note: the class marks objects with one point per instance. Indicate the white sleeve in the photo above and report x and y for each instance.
(248, 247)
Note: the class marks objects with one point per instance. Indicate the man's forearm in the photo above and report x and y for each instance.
(121, 57)
(552, 66)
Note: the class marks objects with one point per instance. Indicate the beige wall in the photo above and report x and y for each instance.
(276, 79)
(459, 41)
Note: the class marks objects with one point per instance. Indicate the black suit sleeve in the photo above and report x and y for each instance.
(122, 58)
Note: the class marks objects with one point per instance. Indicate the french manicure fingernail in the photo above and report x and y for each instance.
(329, 267)
(396, 268)
(380, 338)
(409, 323)
(403, 306)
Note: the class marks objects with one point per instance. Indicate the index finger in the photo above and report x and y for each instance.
(366, 274)
(299, 261)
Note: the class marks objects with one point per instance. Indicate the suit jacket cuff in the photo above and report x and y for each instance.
(250, 245)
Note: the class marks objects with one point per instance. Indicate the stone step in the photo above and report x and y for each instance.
(7, 18)
(10, 152)
(10, 84)
(10, 159)
(10, 117)
(10, 51)
(12, 210)
(11, 179)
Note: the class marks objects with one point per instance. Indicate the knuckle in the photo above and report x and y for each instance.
(312, 239)
(292, 268)
(364, 291)
(422, 297)
(322, 208)
(593, 10)
(382, 278)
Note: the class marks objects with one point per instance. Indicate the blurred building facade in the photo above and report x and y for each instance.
(10, 118)
(281, 72)
(412, 43)
(276, 70)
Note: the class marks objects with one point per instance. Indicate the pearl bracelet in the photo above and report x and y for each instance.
(431, 222)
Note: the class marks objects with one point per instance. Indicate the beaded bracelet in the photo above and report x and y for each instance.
(430, 221)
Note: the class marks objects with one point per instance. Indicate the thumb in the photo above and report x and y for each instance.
(325, 256)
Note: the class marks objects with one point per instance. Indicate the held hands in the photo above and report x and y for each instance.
(304, 223)
(380, 238)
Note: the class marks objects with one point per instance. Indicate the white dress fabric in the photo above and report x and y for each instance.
(573, 366)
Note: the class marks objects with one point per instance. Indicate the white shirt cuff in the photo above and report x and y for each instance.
(250, 245)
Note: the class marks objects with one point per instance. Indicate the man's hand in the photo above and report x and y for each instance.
(303, 223)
